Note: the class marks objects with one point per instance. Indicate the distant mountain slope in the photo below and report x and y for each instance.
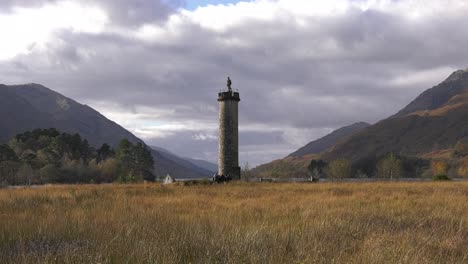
(435, 120)
(289, 167)
(184, 161)
(205, 165)
(295, 165)
(178, 168)
(328, 141)
(30, 106)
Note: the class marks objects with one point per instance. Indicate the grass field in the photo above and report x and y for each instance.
(236, 223)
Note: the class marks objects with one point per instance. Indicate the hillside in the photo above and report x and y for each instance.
(450, 92)
(295, 164)
(289, 167)
(328, 141)
(213, 168)
(434, 121)
(30, 106)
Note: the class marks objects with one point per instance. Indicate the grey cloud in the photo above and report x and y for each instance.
(6, 5)
(123, 12)
(135, 12)
(335, 72)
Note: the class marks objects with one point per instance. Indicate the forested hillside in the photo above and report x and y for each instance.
(49, 156)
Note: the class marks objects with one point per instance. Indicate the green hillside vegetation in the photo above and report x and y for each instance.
(48, 156)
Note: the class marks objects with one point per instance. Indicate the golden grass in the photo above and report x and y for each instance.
(236, 223)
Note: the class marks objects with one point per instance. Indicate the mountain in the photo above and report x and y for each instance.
(186, 162)
(30, 106)
(289, 167)
(453, 88)
(177, 167)
(213, 168)
(328, 141)
(295, 165)
(434, 121)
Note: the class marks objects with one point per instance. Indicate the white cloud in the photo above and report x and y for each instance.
(205, 137)
(28, 28)
(422, 78)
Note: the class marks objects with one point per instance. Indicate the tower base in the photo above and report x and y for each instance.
(234, 174)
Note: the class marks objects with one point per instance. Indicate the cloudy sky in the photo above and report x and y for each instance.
(303, 67)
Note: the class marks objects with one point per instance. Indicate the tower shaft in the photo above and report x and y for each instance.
(228, 156)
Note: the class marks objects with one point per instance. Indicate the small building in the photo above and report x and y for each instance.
(168, 179)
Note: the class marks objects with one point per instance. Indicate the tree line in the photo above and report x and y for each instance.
(48, 156)
(390, 166)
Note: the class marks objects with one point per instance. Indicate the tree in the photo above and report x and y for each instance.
(390, 167)
(136, 162)
(439, 167)
(25, 174)
(246, 174)
(8, 171)
(123, 154)
(142, 163)
(7, 154)
(461, 148)
(316, 168)
(49, 174)
(46, 156)
(109, 169)
(104, 152)
(339, 169)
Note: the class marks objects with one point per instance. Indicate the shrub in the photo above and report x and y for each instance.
(49, 174)
(389, 167)
(439, 167)
(441, 177)
(339, 169)
(316, 168)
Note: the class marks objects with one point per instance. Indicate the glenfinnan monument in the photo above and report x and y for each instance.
(228, 155)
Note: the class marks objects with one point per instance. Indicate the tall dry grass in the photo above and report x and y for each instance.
(236, 223)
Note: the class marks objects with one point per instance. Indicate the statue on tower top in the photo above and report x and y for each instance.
(229, 83)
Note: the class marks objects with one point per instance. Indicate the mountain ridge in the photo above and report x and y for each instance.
(319, 145)
(433, 121)
(295, 165)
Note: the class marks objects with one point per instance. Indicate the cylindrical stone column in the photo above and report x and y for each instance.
(228, 155)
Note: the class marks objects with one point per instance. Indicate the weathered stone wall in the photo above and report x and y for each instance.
(228, 156)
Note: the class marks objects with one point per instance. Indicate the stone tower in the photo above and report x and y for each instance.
(228, 155)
